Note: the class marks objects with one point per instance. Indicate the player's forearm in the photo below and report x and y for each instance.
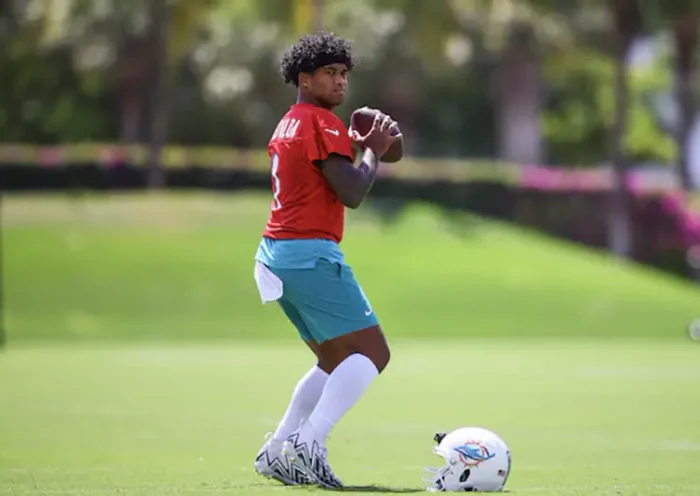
(367, 173)
(359, 180)
(350, 183)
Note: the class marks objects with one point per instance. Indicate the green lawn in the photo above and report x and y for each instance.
(141, 362)
(167, 267)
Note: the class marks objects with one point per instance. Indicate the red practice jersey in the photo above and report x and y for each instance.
(304, 206)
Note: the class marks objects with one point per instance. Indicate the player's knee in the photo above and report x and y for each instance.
(328, 366)
(369, 342)
(381, 358)
(378, 356)
(374, 346)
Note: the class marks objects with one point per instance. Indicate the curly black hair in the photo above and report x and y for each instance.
(314, 51)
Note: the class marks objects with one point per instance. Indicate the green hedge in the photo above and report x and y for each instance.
(410, 168)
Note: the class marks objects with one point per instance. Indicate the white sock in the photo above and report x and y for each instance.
(345, 386)
(304, 399)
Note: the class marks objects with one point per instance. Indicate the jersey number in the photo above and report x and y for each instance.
(276, 205)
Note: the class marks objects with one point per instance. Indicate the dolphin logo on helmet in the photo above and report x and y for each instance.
(474, 452)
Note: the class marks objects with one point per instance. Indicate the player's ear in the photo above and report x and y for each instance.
(303, 80)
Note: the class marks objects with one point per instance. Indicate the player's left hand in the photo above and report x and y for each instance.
(385, 119)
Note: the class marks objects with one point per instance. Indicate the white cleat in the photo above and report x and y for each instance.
(272, 463)
(311, 457)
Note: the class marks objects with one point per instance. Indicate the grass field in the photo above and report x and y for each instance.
(580, 420)
(181, 267)
(140, 361)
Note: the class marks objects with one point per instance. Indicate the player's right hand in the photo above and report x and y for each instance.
(380, 137)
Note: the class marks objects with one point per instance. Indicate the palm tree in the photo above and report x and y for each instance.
(161, 13)
(682, 19)
(147, 62)
(627, 23)
(685, 31)
(519, 32)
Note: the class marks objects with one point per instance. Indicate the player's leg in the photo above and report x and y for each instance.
(352, 345)
(270, 460)
(358, 358)
(304, 397)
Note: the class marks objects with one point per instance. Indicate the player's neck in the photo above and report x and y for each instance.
(309, 100)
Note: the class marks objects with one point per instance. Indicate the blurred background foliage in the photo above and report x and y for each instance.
(566, 83)
(522, 80)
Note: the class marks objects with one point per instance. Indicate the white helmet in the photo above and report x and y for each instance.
(475, 460)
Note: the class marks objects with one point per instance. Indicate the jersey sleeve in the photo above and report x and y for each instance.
(327, 137)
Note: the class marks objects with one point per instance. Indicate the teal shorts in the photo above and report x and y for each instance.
(324, 302)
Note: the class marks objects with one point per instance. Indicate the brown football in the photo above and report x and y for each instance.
(361, 121)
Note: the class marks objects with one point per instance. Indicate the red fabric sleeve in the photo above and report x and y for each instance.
(326, 137)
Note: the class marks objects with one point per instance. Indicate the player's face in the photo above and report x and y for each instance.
(329, 84)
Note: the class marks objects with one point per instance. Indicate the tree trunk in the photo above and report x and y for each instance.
(627, 23)
(619, 228)
(319, 15)
(518, 99)
(161, 13)
(130, 75)
(130, 117)
(686, 38)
